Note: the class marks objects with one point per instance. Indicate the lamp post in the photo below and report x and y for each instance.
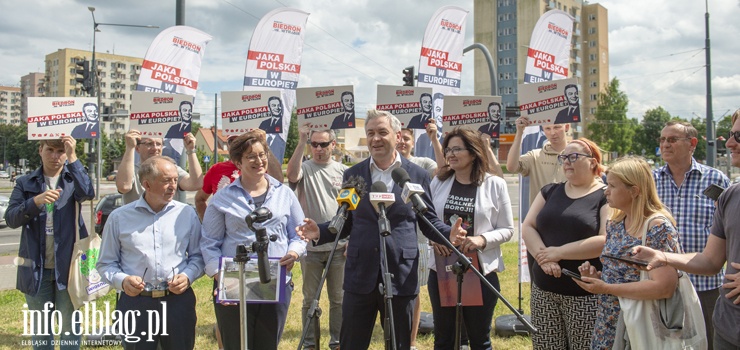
(96, 170)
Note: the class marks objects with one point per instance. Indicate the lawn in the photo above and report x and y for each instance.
(11, 317)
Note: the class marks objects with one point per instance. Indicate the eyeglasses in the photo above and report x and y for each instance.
(454, 150)
(253, 158)
(161, 286)
(671, 139)
(572, 158)
(735, 135)
(322, 144)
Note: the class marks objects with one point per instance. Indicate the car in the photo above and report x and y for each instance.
(112, 176)
(4, 200)
(105, 206)
(4, 175)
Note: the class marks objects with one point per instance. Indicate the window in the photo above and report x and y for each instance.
(592, 110)
(72, 92)
(592, 57)
(592, 17)
(101, 63)
(592, 30)
(72, 71)
(102, 94)
(592, 70)
(72, 82)
(593, 97)
(592, 43)
(594, 84)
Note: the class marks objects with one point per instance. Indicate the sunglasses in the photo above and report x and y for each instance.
(671, 139)
(161, 286)
(735, 135)
(322, 144)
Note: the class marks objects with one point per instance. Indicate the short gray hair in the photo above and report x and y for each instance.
(374, 113)
(148, 169)
(332, 134)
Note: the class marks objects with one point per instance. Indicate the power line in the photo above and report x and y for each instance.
(653, 58)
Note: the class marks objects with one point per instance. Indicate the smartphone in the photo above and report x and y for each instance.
(713, 191)
(570, 273)
(626, 259)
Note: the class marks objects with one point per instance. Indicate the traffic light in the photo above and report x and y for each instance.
(83, 75)
(408, 76)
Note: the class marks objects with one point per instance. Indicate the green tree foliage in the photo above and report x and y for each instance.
(724, 125)
(292, 141)
(612, 130)
(648, 131)
(700, 153)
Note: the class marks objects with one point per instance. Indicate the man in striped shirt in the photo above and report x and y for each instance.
(681, 183)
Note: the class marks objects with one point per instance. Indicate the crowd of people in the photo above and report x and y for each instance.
(581, 214)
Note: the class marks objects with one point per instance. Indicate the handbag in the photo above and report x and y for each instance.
(676, 322)
(84, 283)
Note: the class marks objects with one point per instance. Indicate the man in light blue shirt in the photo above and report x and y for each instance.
(151, 252)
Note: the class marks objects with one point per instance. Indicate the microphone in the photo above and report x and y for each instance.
(348, 199)
(262, 241)
(411, 191)
(380, 197)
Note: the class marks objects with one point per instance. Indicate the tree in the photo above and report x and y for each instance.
(194, 127)
(648, 131)
(612, 130)
(700, 153)
(292, 141)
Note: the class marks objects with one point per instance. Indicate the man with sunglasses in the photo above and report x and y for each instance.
(681, 183)
(317, 182)
(151, 252)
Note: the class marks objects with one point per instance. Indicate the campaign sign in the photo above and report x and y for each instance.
(551, 102)
(157, 114)
(54, 117)
(411, 105)
(331, 107)
(481, 113)
(242, 111)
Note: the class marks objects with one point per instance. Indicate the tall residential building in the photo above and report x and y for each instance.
(32, 85)
(505, 27)
(10, 105)
(117, 79)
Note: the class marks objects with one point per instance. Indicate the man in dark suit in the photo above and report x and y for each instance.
(420, 121)
(91, 127)
(494, 116)
(572, 113)
(273, 124)
(178, 131)
(346, 120)
(362, 273)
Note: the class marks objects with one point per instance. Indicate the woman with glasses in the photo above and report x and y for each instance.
(565, 226)
(463, 188)
(224, 228)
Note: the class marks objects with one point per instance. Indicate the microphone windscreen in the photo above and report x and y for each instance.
(400, 176)
(379, 186)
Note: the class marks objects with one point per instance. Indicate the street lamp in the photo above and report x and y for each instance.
(96, 88)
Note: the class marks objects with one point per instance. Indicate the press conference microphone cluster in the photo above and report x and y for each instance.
(381, 199)
(262, 241)
(348, 199)
(411, 191)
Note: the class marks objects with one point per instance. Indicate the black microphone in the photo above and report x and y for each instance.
(410, 191)
(380, 198)
(348, 198)
(262, 241)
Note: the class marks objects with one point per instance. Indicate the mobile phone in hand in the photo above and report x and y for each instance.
(627, 259)
(572, 274)
(713, 191)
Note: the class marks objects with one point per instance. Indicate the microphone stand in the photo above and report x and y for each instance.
(315, 310)
(459, 270)
(241, 258)
(386, 287)
(463, 260)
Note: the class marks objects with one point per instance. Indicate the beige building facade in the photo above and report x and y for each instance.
(10, 105)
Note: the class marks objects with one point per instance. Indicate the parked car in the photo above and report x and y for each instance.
(4, 200)
(105, 206)
(112, 176)
(4, 174)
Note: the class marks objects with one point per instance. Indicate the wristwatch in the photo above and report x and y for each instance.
(191, 152)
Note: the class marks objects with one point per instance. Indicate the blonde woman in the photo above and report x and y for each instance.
(564, 227)
(633, 198)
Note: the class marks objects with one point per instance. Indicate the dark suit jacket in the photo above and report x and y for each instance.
(175, 133)
(339, 122)
(490, 129)
(79, 131)
(267, 126)
(419, 122)
(565, 117)
(362, 268)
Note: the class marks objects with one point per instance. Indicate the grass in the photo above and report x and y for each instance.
(11, 318)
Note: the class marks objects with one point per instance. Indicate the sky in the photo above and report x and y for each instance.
(656, 46)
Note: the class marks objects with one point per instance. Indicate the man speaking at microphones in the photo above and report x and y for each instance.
(362, 298)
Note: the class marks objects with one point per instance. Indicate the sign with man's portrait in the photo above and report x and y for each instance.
(54, 117)
(551, 102)
(411, 105)
(481, 113)
(331, 107)
(161, 114)
(242, 111)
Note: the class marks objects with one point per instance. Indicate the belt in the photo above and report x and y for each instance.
(157, 293)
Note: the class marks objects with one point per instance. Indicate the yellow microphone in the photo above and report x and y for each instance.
(348, 199)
